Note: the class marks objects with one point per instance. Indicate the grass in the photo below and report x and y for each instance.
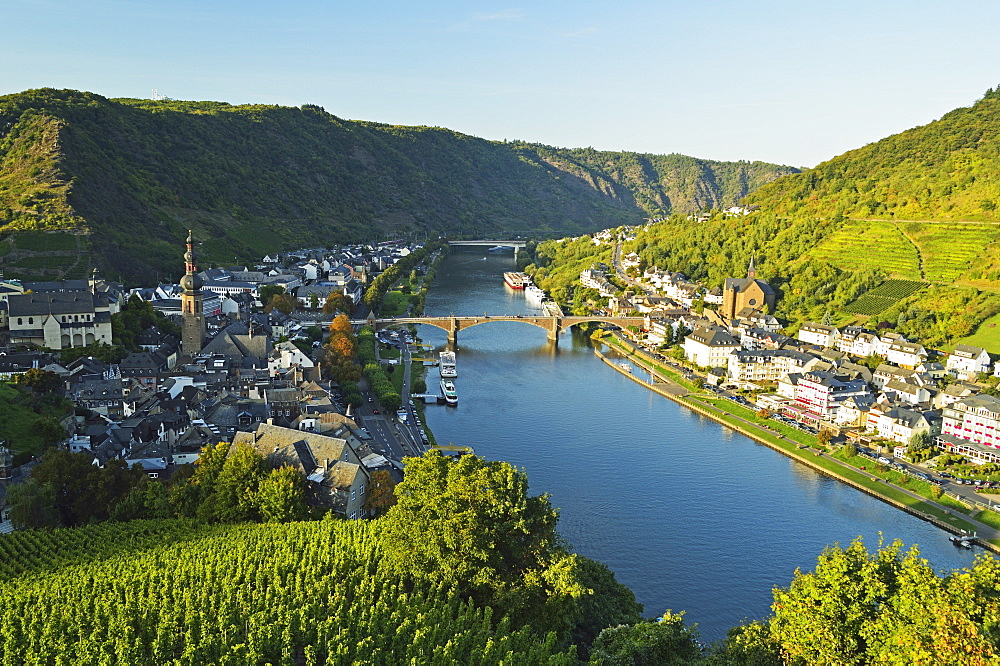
(986, 335)
(670, 373)
(990, 518)
(394, 304)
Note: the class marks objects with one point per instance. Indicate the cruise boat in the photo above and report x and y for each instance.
(516, 280)
(534, 293)
(448, 367)
(448, 388)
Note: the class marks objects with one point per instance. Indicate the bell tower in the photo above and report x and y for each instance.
(192, 303)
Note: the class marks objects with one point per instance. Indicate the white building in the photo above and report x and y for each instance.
(710, 347)
(820, 335)
(967, 361)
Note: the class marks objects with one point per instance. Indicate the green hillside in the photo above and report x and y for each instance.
(136, 174)
(948, 169)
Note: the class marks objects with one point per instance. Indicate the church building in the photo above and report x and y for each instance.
(748, 292)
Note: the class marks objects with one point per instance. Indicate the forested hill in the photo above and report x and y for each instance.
(251, 179)
(946, 170)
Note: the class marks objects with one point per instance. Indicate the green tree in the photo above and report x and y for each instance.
(33, 505)
(284, 303)
(234, 496)
(660, 642)
(269, 291)
(281, 496)
(471, 524)
(39, 381)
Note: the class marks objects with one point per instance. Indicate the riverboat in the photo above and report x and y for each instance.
(450, 394)
(448, 365)
(533, 293)
(516, 280)
(626, 367)
(498, 249)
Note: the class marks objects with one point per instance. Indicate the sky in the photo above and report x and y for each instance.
(794, 83)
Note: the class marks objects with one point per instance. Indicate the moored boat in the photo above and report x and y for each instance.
(448, 365)
(450, 394)
(516, 280)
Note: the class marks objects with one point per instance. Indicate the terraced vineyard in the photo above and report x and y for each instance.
(883, 297)
(860, 244)
(949, 249)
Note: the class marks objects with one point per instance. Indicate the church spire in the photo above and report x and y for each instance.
(192, 303)
(751, 271)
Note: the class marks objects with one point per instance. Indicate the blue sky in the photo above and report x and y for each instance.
(789, 82)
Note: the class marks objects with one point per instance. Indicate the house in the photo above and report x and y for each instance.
(906, 354)
(908, 393)
(900, 424)
(820, 335)
(710, 347)
(767, 365)
(966, 362)
(336, 478)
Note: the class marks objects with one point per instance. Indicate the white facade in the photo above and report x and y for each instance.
(966, 362)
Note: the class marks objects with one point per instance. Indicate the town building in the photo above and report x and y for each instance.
(192, 304)
(748, 292)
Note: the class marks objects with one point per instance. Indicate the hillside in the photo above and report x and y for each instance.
(135, 174)
(948, 169)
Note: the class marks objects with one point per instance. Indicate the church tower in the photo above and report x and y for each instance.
(751, 271)
(192, 304)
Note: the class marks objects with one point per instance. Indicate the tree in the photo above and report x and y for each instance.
(234, 497)
(341, 324)
(313, 300)
(33, 505)
(823, 437)
(40, 381)
(609, 604)
(660, 642)
(269, 291)
(919, 441)
(381, 493)
(285, 303)
(471, 524)
(281, 496)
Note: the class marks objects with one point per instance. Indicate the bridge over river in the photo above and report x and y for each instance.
(553, 325)
(516, 244)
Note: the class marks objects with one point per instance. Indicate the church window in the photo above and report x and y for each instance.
(31, 320)
(19, 321)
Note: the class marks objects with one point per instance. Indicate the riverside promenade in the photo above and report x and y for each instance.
(945, 517)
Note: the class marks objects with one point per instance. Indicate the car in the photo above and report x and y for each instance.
(946, 475)
(375, 411)
(884, 460)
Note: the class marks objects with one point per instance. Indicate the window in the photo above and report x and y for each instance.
(354, 494)
(19, 321)
(361, 491)
(31, 320)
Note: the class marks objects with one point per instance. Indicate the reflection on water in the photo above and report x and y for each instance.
(690, 515)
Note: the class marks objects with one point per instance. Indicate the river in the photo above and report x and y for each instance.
(690, 515)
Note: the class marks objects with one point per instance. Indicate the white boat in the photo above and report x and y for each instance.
(534, 293)
(450, 394)
(448, 366)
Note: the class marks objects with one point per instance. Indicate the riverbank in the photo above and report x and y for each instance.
(947, 518)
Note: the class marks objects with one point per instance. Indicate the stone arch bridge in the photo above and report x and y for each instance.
(552, 325)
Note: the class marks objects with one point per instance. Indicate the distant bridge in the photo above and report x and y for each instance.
(516, 244)
(553, 326)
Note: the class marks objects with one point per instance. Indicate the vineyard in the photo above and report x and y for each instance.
(298, 593)
(883, 297)
(861, 244)
(948, 249)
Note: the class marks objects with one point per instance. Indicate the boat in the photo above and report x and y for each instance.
(498, 249)
(626, 367)
(534, 293)
(516, 280)
(964, 541)
(448, 388)
(448, 367)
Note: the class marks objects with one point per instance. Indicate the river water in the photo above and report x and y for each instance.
(690, 515)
